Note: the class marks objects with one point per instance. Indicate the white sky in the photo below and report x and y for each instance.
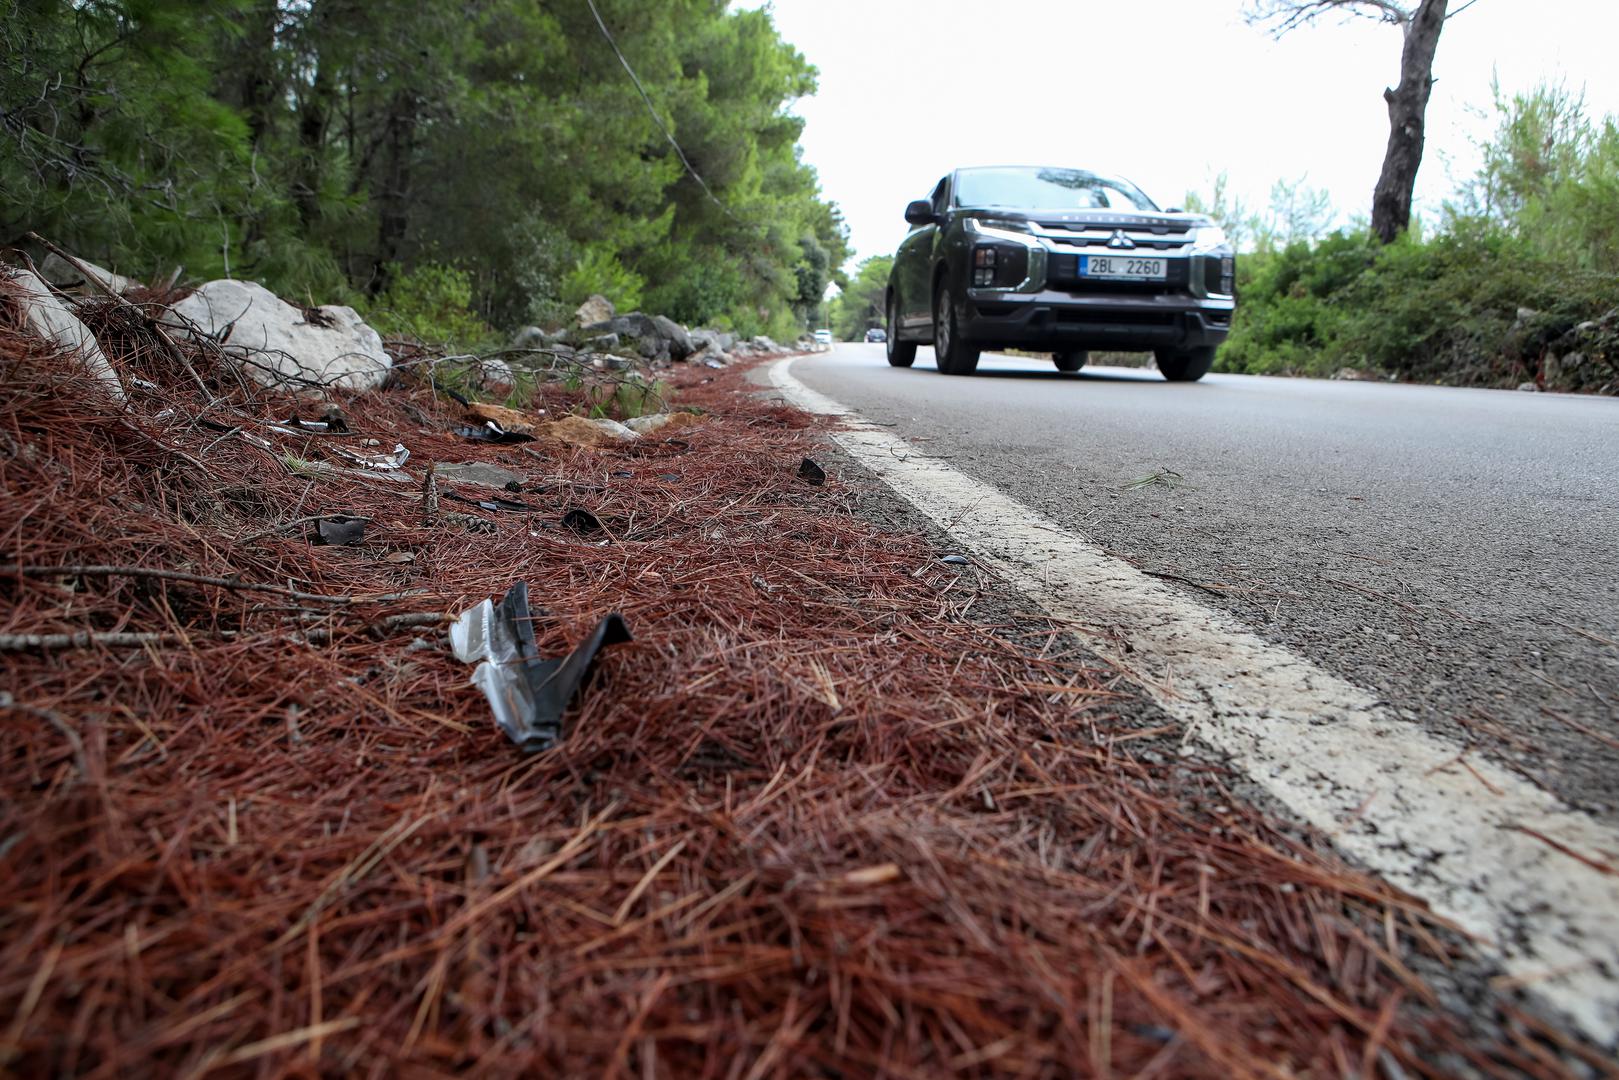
(1166, 92)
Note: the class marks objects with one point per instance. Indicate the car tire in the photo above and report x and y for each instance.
(1185, 365)
(952, 355)
(900, 353)
(1071, 361)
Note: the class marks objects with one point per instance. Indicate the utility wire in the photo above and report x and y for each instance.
(656, 119)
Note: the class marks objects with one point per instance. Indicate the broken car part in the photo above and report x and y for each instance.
(526, 692)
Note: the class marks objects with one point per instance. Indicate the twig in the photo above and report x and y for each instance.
(87, 639)
(1556, 845)
(13, 570)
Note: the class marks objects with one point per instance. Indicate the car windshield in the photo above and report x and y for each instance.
(1047, 189)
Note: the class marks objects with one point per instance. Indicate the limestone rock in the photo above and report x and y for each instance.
(494, 376)
(282, 346)
(578, 431)
(48, 317)
(597, 309)
(665, 422)
(511, 420)
(476, 472)
(64, 275)
(654, 336)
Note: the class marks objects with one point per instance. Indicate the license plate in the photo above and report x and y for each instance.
(1122, 268)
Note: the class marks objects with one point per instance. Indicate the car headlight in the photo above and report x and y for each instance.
(1209, 238)
(992, 225)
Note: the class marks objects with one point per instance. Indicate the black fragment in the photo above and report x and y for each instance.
(581, 521)
(338, 530)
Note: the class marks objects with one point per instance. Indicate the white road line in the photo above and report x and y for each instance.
(1390, 794)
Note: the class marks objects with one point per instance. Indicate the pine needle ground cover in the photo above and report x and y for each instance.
(834, 812)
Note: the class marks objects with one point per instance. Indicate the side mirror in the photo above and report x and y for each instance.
(920, 212)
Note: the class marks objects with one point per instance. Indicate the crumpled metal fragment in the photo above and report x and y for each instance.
(527, 693)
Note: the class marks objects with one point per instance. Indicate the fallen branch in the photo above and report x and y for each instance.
(195, 579)
(88, 639)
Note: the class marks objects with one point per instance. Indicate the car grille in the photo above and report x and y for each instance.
(1062, 272)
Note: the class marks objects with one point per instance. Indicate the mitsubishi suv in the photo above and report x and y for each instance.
(1060, 261)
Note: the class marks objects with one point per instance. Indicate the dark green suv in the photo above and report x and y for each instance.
(1061, 261)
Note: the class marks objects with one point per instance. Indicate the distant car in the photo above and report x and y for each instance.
(823, 337)
(1058, 260)
(876, 333)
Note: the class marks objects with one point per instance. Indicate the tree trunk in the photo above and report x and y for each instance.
(1408, 107)
(313, 114)
(259, 86)
(393, 189)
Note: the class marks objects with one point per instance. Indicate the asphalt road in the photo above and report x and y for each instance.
(1455, 551)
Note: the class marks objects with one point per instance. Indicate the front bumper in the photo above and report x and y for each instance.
(1056, 319)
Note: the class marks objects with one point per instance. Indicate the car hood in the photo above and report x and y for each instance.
(1157, 221)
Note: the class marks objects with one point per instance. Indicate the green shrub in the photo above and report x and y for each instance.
(433, 304)
(598, 270)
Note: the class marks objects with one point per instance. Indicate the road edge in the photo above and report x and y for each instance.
(1503, 859)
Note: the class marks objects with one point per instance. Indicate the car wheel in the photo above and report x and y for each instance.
(900, 353)
(1185, 365)
(1071, 361)
(953, 355)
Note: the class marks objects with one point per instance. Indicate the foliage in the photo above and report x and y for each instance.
(1296, 212)
(600, 271)
(1550, 178)
(324, 148)
(1529, 253)
(431, 303)
(860, 306)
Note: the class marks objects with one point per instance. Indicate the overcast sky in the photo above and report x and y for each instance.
(1166, 92)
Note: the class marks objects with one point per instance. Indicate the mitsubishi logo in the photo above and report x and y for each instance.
(1120, 240)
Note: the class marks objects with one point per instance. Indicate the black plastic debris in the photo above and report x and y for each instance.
(582, 522)
(811, 472)
(526, 692)
(338, 530)
(491, 432)
(453, 394)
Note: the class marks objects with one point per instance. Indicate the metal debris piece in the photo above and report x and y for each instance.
(339, 530)
(391, 462)
(492, 502)
(526, 693)
(491, 432)
(812, 472)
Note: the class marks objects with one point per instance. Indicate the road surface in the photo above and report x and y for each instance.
(1391, 608)
(1454, 551)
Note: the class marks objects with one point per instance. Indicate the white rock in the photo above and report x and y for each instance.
(495, 376)
(284, 348)
(64, 275)
(48, 317)
(597, 309)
